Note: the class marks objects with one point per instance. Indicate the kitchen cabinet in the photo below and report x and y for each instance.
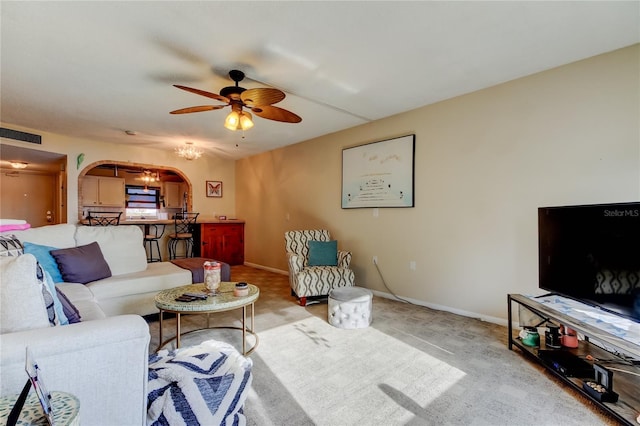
(223, 242)
(173, 195)
(103, 191)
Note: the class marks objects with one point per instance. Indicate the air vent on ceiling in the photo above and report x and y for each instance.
(20, 136)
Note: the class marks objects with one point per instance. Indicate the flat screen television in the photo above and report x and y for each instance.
(591, 253)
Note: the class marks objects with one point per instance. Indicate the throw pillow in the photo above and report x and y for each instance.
(82, 264)
(42, 253)
(323, 253)
(10, 246)
(41, 276)
(22, 304)
(61, 317)
(70, 311)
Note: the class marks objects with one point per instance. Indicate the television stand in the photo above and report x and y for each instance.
(613, 352)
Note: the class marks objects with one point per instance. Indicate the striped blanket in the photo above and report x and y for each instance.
(199, 385)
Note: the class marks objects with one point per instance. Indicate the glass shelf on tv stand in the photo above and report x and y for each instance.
(612, 331)
(598, 343)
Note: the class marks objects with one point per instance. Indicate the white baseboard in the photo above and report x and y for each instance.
(267, 268)
(494, 320)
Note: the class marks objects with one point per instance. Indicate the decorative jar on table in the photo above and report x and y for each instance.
(212, 277)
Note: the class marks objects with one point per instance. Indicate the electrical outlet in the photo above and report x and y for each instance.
(412, 265)
(375, 260)
(375, 212)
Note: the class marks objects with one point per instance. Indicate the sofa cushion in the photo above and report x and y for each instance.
(83, 299)
(76, 292)
(22, 305)
(42, 253)
(82, 264)
(121, 246)
(157, 277)
(10, 245)
(61, 235)
(89, 310)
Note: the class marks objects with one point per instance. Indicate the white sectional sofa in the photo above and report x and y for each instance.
(134, 282)
(103, 359)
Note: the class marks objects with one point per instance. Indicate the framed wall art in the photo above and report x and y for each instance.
(214, 188)
(379, 174)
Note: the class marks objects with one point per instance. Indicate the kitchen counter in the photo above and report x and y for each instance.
(212, 238)
(168, 221)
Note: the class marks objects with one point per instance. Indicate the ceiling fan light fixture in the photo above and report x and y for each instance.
(238, 121)
(188, 151)
(232, 121)
(245, 121)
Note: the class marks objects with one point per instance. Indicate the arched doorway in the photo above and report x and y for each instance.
(132, 174)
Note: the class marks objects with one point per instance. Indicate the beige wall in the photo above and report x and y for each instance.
(484, 163)
(197, 171)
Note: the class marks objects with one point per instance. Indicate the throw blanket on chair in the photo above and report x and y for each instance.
(194, 264)
(199, 385)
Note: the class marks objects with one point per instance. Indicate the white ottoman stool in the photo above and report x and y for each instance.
(350, 307)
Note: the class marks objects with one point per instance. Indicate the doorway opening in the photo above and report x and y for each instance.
(37, 193)
(168, 189)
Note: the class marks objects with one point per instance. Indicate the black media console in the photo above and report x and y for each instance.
(614, 368)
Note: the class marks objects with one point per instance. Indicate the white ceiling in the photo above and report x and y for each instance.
(95, 69)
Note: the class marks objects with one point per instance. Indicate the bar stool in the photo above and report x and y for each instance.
(104, 218)
(184, 225)
(152, 235)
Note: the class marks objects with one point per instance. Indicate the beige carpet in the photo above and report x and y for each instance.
(413, 366)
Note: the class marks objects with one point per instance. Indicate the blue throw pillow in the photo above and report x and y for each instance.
(43, 255)
(323, 253)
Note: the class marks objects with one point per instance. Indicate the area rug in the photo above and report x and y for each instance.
(339, 376)
(308, 372)
(412, 366)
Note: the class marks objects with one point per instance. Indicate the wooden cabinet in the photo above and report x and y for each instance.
(223, 242)
(103, 191)
(173, 195)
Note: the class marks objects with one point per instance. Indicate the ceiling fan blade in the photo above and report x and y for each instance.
(203, 93)
(197, 109)
(274, 113)
(262, 96)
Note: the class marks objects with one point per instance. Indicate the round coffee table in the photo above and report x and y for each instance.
(225, 300)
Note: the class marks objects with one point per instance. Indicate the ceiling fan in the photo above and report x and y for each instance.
(259, 100)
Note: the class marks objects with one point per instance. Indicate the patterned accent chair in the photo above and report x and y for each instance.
(307, 281)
